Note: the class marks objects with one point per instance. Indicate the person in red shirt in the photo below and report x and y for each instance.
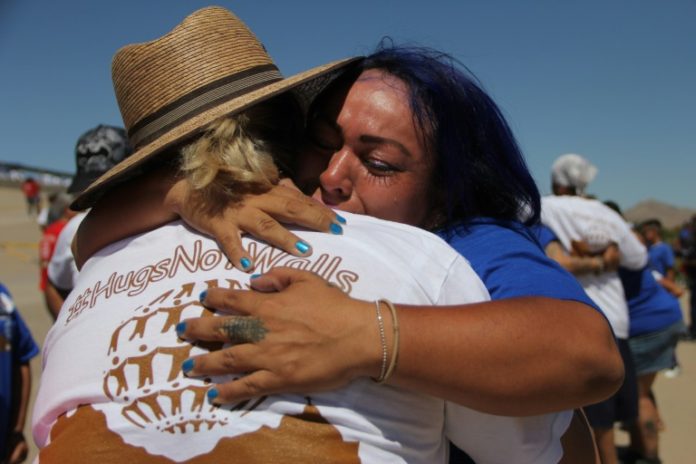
(32, 191)
(47, 246)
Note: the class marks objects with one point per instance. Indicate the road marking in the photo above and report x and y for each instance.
(25, 251)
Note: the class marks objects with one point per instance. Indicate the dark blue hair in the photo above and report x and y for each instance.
(480, 170)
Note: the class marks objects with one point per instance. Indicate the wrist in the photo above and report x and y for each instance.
(368, 347)
(389, 360)
(598, 265)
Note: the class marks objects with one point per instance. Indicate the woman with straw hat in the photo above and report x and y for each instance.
(205, 100)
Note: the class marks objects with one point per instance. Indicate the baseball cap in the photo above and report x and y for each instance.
(572, 170)
(98, 150)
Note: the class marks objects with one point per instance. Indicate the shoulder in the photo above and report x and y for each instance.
(495, 248)
(486, 238)
(396, 236)
(662, 248)
(7, 304)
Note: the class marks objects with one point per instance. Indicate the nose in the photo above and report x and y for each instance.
(335, 182)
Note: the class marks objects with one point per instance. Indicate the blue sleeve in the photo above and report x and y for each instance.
(25, 347)
(511, 263)
(669, 256)
(544, 235)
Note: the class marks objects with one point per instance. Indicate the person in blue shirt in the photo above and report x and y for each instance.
(656, 324)
(17, 348)
(660, 256)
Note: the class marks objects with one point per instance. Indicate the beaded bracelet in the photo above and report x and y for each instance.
(383, 338)
(384, 376)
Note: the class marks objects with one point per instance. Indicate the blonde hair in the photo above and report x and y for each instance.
(236, 155)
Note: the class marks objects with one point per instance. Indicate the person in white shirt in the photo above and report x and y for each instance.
(586, 223)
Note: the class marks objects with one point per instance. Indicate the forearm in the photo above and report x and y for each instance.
(134, 207)
(671, 286)
(671, 274)
(22, 389)
(576, 265)
(539, 356)
(517, 356)
(581, 265)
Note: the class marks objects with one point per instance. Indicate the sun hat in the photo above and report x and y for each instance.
(208, 66)
(96, 151)
(571, 170)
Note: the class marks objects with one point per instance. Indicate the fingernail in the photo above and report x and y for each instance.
(340, 219)
(245, 262)
(212, 394)
(187, 366)
(202, 296)
(181, 328)
(336, 229)
(255, 276)
(302, 247)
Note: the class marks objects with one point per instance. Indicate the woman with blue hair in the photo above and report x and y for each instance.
(410, 137)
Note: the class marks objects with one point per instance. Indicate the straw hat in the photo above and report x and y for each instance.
(208, 66)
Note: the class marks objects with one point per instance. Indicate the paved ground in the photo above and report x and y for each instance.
(19, 235)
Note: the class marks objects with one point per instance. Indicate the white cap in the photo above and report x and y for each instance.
(571, 170)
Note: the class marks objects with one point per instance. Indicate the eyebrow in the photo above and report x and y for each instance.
(372, 139)
(383, 140)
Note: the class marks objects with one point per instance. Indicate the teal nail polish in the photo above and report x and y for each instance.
(302, 247)
(202, 296)
(340, 219)
(246, 263)
(212, 394)
(336, 229)
(187, 365)
(255, 276)
(181, 328)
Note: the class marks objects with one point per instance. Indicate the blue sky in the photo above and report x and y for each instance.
(614, 81)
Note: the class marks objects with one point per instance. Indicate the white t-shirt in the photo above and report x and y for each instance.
(62, 271)
(577, 218)
(112, 382)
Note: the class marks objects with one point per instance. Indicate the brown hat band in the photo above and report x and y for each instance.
(154, 125)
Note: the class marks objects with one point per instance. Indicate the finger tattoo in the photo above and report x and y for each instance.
(244, 329)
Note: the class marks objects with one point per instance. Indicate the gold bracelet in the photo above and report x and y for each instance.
(395, 343)
(383, 338)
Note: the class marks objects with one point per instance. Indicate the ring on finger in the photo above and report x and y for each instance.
(243, 329)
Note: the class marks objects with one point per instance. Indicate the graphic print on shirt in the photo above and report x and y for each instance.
(150, 407)
(138, 364)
